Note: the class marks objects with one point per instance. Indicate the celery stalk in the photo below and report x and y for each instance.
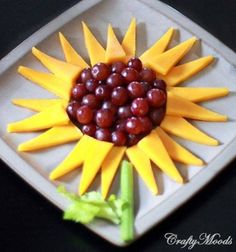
(127, 195)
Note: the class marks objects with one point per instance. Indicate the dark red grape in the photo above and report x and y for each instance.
(86, 74)
(121, 125)
(146, 85)
(104, 118)
(160, 84)
(109, 105)
(135, 63)
(157, 115)
(84, 114)
(89, 129)
(103, 92)
(100, 71)
(72, 109)
(90, 100)
(124, 112)
(136, 89)
(133, 139)
(115, 80)
(156, 97)
(119, 96)
(139, 107)
(103, 135)
(130, 75)
(78, 91)
(119, 138)
(91, 85)
(133, 126)
(118, 67)
(148, 75)
(146, 124)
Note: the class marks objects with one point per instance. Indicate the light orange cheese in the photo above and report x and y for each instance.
(48, 81)
(179, 106)
(143, 166)
(199, 94)
(70, 53)
(110, 166)
(162, 63)
(180, 127)
(53, 116)
(176, 151)
(129, 41)
(156, 151)
(114, 51)
(52, 137)
(95, 51)
(38, 104)
(185, 71)
(73, 160)
(96, 153)
(158, 48)
(61, 69)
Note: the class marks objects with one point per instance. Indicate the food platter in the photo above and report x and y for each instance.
(34, 168)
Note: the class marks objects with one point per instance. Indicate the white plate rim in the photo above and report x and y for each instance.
(46, 188)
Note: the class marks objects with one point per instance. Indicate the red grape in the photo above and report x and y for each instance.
(119, 96)
(84, 114)
(72, 109)
(103, 135)
(133, 125)
(146, 124)
(100, 71)
(139, 107)
(86, 74)
(135, 63)
(148, 75)
(136, 89)
(157, 115)
(103, 92)
(119, 138)
(115, 80)
(121, 125)
(124, 112)
(156, 97)
(133, 139)
(89, 129)
(130, 75)
(104, 118)
(91, 85)
(90, 100)
(118, 67)
(78, 91)
(109, 105)
(160, 84)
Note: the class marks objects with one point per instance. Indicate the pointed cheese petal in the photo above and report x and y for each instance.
(109, 168)
(158, 48)
(129, 41)
(53, 137)
(38, 104)
(164, 62)
(70, 53)
(53, 116)
(48, 81)
(62, 69)
(176, 151)
(143, 166)
(97, 152)
(185, 71)
(73, 160)
(179, 106)
(156, 151)
(199, 94)
(95, 50)
(180, 127)
(114, 51)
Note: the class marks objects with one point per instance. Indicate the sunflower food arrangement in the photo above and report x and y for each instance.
(119, 105)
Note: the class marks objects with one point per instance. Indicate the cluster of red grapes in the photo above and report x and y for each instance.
(118, 103)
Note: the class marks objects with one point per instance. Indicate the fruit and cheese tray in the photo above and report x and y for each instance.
(119, 116)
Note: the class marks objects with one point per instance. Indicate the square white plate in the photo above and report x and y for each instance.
(153, 18)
